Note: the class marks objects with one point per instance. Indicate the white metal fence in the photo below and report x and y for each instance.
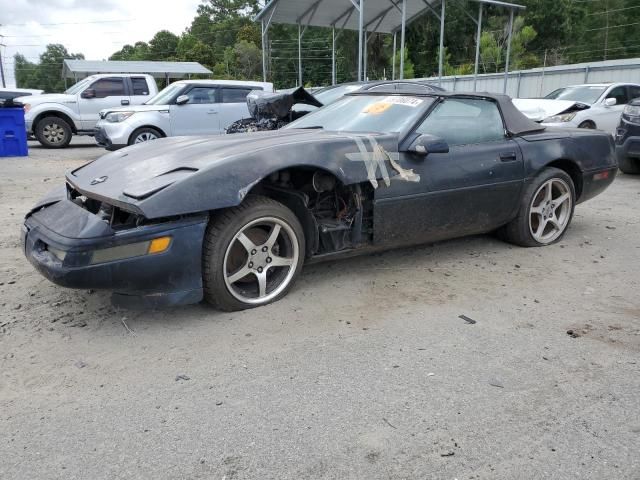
(538, 82)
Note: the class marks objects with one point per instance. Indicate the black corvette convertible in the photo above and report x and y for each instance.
(232, 219)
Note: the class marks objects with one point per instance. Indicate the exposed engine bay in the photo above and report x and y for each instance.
(271, 111)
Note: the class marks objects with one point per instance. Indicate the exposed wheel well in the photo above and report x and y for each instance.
(587, 124)
(571, 169)
(54, 113)
(332, 214)
(159, 130)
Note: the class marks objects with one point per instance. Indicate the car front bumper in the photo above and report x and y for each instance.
(627, 141)
(112, 136)
(172, 277)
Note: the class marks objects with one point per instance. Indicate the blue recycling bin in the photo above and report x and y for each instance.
(13, 134)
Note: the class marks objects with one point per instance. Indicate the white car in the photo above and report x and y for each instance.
(593, 105)
(186, 107)
(53, 118)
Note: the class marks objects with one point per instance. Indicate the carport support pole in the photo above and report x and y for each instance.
(402, 27)
(364, 56)
(506, 65)
(393, 68)
(360, 28)
(441, 59)
(264, 55)
(333, 55)
(478, 35)
(299, 55)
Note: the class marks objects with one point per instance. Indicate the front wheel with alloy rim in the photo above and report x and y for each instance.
(546, 209)
(252, 254)
(144, 134)
(53, 132)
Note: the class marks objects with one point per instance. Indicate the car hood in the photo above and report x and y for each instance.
(179, 175)
(47, 98)
(538, 109)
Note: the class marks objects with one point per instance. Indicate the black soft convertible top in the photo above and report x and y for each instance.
(515, 121)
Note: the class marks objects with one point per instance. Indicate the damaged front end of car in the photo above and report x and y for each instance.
(272, 111)
(81, 242)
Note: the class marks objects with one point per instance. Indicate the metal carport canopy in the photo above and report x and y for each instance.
(365, 16)
(76, 68)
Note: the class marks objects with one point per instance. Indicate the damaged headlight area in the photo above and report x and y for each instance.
(562, 118)
(117, 218)
(117, 117)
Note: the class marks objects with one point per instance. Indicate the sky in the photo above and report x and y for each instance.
(96, 28)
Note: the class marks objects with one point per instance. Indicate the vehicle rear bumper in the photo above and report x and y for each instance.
(149, 280)
(594, 182)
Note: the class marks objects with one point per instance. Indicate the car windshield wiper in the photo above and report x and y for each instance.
(311, 127)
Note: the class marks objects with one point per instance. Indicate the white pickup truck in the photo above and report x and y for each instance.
(54, 118)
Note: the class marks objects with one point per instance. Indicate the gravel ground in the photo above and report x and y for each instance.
(365, 370)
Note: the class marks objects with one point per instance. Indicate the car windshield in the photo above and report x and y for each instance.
(331, 94)
(583, 94)
(370, 113)
(166, 94)
(77, 87)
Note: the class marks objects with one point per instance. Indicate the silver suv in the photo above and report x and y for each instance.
(187, 107)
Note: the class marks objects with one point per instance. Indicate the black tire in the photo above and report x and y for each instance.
(630, 166)
(519, 230)
(587, 124)
(142, 131)
(220, 239)
(53, 132)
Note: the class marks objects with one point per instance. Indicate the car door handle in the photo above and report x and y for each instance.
(211, 112)
(508, 157)
(124, 102)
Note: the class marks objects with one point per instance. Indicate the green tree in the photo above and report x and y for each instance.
(163, 46)
(46, 74)
(248, 60)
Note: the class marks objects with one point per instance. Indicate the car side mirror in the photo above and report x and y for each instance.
(88, 93)
(426, 144)
(182, 99)
(610, 102)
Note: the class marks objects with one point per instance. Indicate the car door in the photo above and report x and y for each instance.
(104, 93)
(199, 116)
(233, 104)
(473, 188)
(608, 117)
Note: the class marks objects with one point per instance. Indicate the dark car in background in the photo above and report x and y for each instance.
(11, 93)
(628, 138)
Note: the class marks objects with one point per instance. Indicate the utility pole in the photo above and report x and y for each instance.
(4, 85)
(606, 31)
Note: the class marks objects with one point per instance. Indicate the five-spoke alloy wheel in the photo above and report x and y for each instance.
(257, 269)
(252, 254)
(550, 210)
(545, 211)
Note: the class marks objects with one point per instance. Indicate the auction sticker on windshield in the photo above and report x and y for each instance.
(386, 103)
(407, 101)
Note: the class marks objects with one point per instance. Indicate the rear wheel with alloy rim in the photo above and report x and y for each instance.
(546, 210)
(252, 254)
(144, 134)
(53, 132)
